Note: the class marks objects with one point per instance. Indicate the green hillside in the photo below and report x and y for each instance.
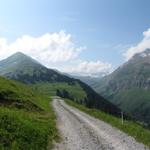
(26, 119)
(26, 70)
(129, 86)
(136, 102)
(23, 68)
(74, 90)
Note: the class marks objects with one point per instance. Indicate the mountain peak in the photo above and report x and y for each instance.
(18, 62)
(145, 53)
(18, 55)
(147, 50)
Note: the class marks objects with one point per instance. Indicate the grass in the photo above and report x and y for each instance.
(27, 120)
(136, 102)
(131, 128)
(50, 88)
(20, 130)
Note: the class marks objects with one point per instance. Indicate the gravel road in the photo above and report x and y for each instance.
(82, 132)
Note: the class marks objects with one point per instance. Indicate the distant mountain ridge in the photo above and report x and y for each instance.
(88, 79)
(27, 70)
(129, 86)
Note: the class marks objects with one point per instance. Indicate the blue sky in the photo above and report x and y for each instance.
(107, 28)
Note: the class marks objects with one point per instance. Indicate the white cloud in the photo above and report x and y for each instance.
(56, 50)
(55, 47)
(90, 68)
(140, 47)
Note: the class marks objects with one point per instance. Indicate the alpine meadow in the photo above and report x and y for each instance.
(74, 75)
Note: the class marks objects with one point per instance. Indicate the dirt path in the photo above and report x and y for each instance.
(83, 132)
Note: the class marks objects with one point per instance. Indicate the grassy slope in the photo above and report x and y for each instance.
(78, 92)
(140, 97)
(50, 88)
(129, 87)
(26, 120)
(131, 128)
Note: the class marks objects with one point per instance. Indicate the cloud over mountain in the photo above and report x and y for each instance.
(90, 68)
(140, 47)
(55, 50)
(55, 47)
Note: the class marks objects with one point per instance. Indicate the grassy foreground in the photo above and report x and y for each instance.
(27, 121)
(131, 128)
(20, 130)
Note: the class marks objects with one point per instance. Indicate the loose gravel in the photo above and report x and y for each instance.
(82, 132)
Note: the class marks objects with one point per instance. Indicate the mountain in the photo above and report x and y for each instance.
(91, 81)
(128, 87)
(25, 69)
(47, 81)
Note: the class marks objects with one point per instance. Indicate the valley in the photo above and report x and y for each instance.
(74, 75)
(128, 87)
(26, 100)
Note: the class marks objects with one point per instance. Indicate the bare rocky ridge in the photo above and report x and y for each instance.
(83, 132)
